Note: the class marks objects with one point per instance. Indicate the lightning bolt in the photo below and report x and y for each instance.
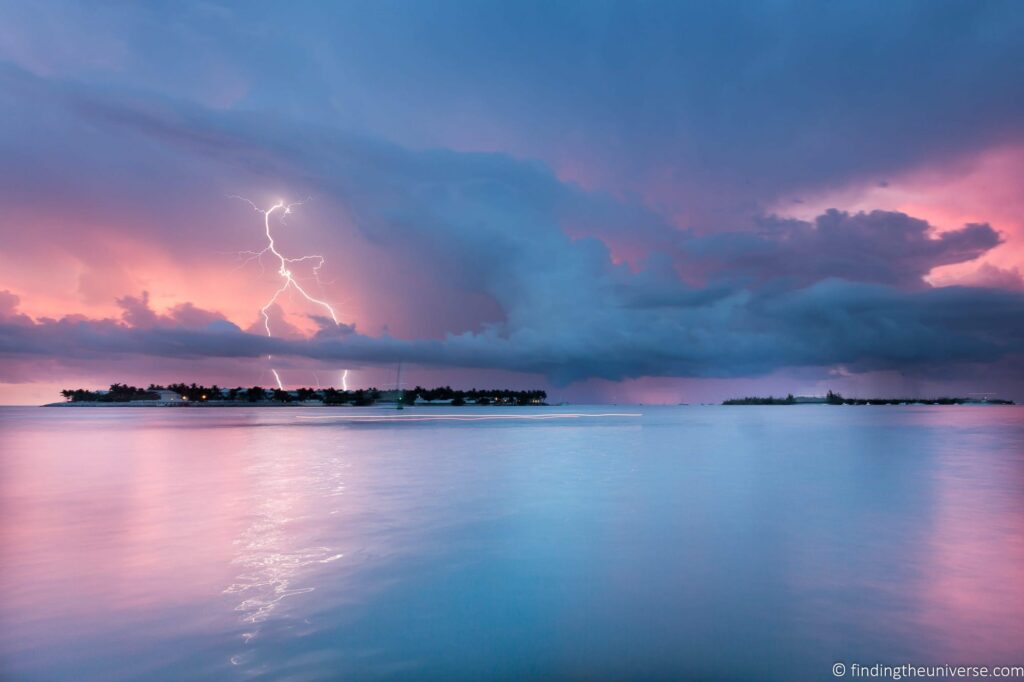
(284, 270)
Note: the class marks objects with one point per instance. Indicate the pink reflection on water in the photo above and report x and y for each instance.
(910, 545)
(89, 510)
(971, 590)
(137, 524)
(226, 540)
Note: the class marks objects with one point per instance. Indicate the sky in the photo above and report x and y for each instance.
(654, 202)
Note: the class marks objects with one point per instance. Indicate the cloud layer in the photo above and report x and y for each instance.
(570, 191)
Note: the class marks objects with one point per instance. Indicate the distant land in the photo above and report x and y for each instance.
(836, 399)
(184, 395)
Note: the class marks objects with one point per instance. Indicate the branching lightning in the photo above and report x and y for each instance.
(284, 270)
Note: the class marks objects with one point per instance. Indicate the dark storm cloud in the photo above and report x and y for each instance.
(492, 224)
(732, 103)
(882, 247)
(136, 312)
(329, 329)
(726, 105)
(860, 326)
(474, 213)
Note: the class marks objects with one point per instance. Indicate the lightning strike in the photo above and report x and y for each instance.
(284, 270)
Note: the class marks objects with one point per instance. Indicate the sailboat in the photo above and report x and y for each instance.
(398, 388)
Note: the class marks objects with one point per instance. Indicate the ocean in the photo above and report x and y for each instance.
(725, 543)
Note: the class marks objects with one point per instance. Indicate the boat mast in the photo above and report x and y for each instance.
(398, 387)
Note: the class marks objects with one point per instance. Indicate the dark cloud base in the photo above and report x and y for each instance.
(862, 327)
(845, 289)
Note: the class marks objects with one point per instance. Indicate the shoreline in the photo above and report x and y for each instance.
(266, 403)
(391, 407)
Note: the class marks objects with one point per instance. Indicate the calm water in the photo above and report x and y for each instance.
(689, 542)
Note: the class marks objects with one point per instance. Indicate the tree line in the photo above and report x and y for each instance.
(493, 396)
(118, 393)
(770, 400)
(329, 396)
(832, 398)
(837, 399)
(257, 394)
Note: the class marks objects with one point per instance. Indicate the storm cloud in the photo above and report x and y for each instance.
(881, 247)
(863, 327)
(529, 188)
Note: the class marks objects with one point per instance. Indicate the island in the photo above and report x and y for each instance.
(836, 399)
(186, 395)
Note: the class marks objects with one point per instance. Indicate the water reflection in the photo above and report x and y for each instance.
(690, 542)
(973, 555)
(266, 551)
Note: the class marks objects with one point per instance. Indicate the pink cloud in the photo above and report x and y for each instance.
(979, 187)
(985, 275)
